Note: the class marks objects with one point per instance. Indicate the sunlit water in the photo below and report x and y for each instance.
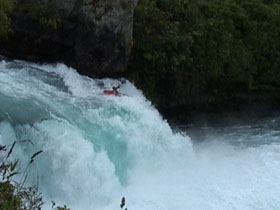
(97, 148)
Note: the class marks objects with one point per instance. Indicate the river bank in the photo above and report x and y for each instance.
(214, 115)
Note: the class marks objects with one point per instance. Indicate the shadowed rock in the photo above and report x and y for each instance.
(94, 36)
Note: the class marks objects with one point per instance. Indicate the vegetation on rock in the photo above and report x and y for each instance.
(94, 37)
(192, 53)
(46, 15)
(5, 8)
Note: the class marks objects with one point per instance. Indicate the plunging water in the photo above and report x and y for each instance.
(99, 148)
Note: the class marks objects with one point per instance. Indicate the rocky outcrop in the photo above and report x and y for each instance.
(94, 36)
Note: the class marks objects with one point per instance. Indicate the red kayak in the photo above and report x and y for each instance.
(110, 92)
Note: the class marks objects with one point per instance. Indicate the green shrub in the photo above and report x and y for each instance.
(5, 8)
(8, 199)
(47, 15)
(189, 52)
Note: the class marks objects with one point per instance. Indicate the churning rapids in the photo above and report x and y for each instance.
(97, 148)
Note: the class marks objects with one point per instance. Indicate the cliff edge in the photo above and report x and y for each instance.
(93, 36)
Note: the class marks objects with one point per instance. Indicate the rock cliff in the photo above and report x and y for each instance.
(94, 36)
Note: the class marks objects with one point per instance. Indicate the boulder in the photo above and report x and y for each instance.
(93, 36)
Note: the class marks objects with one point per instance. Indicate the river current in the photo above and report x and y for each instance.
(98, 148)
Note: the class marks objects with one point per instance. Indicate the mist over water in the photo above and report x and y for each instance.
(97, 148)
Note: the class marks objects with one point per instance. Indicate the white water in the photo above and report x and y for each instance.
(99, 148)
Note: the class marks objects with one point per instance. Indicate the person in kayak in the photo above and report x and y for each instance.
(115, 89)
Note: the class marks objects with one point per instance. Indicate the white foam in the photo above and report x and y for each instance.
(99, 148)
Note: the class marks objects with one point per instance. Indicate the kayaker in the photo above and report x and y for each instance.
(115, 89)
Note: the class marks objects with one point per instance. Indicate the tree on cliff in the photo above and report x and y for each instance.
(5, 8)
(194, 53)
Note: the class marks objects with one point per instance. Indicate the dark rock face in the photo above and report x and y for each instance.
(103, 50)
(94, 36)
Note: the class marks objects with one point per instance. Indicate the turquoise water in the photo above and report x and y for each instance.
(97, 148)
